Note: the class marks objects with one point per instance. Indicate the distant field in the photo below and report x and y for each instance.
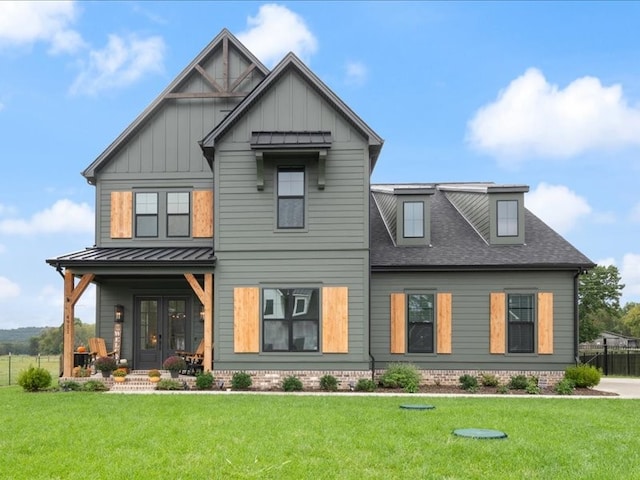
(22, 362)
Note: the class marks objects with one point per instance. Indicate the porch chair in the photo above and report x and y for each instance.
(98, 348)
(193, 359)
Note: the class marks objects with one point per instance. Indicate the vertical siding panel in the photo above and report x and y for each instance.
(545, 323)
(398, 323)
(246, 320)
(444, 323)
(202, 214)
(121, 214)
(497, 322)
(335, 320)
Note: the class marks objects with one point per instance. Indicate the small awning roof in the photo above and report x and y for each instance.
(148, 257)
(292, 139)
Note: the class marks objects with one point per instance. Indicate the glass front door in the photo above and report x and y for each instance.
(161, 329)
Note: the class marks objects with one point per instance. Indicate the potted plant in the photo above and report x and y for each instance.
(174, 364)
(154, 375)
(106, 365)
(119, 374)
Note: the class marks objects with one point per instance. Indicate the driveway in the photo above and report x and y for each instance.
(625, 387)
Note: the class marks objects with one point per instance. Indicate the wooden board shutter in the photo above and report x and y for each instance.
(444, 323)
(335, 320)
(398, 323)
(202, 225)
(246, 320)
(497, 322)
(121, 214)
(545, 323)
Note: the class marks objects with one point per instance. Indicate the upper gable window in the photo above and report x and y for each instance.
(413, 219)
(291, 196)
(507, 218)
(146, 214)
(178, 214)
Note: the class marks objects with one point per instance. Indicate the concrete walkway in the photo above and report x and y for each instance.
(625, 387)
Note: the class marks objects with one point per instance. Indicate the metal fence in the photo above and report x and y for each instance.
(12, 365)
(613, 360)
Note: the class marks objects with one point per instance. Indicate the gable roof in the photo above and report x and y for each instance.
(292, 62)
(221, 41)
(456, 245)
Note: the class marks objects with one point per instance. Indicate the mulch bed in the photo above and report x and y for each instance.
(452, 390)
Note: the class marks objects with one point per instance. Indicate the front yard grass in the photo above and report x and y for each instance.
(77, 435)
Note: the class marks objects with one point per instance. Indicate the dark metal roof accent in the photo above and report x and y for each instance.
(290, 139)
(455, 245)
(154, 256)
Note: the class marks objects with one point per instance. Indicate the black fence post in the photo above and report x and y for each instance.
(9, 368)
(606, 356)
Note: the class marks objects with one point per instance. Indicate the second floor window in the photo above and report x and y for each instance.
(146, 215)
(177, 214)
(291, 198)
(413, 219)
(507, 218)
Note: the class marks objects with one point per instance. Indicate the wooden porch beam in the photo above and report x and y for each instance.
(71, 296)
(205, 295)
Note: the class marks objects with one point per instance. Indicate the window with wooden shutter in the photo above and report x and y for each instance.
(246, 320)
(398, 323)
(497, 322)
(335, 320)
(443, 323)
(202, 214)
(121, 214)
(545, 323)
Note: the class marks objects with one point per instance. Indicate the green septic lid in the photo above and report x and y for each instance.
(417, 407)
(479, 433)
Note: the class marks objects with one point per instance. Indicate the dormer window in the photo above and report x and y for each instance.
(413, 219)
(507, 211)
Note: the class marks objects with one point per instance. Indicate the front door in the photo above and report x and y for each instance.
(161, 329)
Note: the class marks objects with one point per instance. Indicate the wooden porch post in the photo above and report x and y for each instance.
(71, 296)
(206, 298)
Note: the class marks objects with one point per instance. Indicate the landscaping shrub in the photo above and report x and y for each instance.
(365, 385)
(168, 384)
(329, 383)
(401, 375)
(518, 382)
(503, 389)
(489, 380)
(565, 387)
(241, 381)
(583, 376)
(204, 380)
(292, 384)
(69, 386)
(94, 386)
(532, 387)
(468, 383)
(34, 379)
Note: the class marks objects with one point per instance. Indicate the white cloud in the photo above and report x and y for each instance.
(8, 289)
(634, 216)
(276, 31)
(63, 217)
(630, 273)
(557, 206)
(533, 118)
(122, 62)
(357, 73)
(24, 23)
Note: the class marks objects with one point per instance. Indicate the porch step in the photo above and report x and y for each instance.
(136, 380)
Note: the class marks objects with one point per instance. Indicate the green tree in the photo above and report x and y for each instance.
(599, 301)
(631, 319)
(50, 340)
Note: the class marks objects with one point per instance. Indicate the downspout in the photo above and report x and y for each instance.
(576, 316)
(373, 360)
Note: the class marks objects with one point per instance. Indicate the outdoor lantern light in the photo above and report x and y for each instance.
(202, 313)
(119, 313)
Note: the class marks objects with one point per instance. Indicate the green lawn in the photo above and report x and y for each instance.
(77, 435)
(22, 362)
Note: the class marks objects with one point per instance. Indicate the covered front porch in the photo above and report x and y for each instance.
(141, 293)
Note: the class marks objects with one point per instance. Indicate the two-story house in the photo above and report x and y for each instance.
(237, 209)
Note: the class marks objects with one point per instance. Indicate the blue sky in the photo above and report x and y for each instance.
(545, 94)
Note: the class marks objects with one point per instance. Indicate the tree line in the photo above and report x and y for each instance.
(49, 341)
(599, 303)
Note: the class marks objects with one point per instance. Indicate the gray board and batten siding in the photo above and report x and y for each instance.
(470, 317)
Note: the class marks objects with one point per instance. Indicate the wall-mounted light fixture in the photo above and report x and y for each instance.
(119, 314)
(202, 313)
